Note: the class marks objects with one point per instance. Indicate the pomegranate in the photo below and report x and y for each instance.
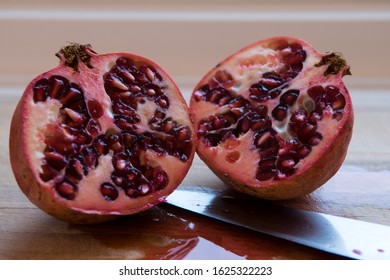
(99, 136)
(274, 119)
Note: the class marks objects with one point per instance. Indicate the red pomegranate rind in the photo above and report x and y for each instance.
(274, 119)
(100, 136)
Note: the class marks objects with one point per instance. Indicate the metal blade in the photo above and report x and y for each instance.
(342, 236)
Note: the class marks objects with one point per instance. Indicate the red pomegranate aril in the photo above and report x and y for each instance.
(94, 158)
(41, 89)
(315, 139)
(127, 76)
(289, 110)
(48, 173)
(73, 95)
(261, 124)
(299, 116)
(90, 156)
(306, 132)
(339, 102)
(286, 163)
(244, 125)
(57, 87)
(66, 190)
(303, 151)
(315, 92)
(163, 102)
(75, 169)
(289, 97)
(100, 146)
(94, 108)
(314, 118)
(183, 134)
(77, 119)
(109, 192)
(56, 160)
(279, 112)
(114, 142)
(264, 175)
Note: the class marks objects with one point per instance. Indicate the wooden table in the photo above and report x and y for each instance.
(360, 190)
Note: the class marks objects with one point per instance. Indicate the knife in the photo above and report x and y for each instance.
(338, 235)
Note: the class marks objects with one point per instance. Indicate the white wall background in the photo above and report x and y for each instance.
(189, 37)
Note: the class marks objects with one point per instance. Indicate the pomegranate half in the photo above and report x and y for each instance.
(99, 136)
(274, 119)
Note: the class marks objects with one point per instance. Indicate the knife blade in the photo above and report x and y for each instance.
(346, 237)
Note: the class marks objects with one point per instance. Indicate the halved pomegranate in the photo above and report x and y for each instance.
(274, 120)
(99, 136)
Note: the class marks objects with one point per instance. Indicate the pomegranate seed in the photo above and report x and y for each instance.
(315, 92)
(95, 109)
(306, 132)
(160, 178)
(120, 161)
(296, 57)
(57, 86)
(150, 92)
(117, 180)
(286, 163)
(132, 193)
(127, 76)
(314, 117)
(339, 102)
(338, 115)
(135, 89)
(237, 111)
(331, 90)
(55, 160)
(261, 124)
(76, 117)
(90, 156)
(303, 151)
(279, 112)
(109, 192)
(100, 146)
(118, 83)
(183, 134)
(73, 95)
(114, 142)
(163, 102)
(289, 97)
(198, 96)
(299, 116)
(75, 169)
(244, 124)
(41, 90)
(264, 176)
(315, 139)
(66, 190)
(148, 72)
(144, 189)
(48, 173)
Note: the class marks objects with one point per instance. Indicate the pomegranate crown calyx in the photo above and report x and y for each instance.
(336, 63)
(74, 53)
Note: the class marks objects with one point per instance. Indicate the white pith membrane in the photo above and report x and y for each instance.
(238, 158)
(89, 199)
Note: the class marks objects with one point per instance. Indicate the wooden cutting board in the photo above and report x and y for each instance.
(360, 190)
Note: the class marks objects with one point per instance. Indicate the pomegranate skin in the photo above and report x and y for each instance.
(284, 65)
(36, 123)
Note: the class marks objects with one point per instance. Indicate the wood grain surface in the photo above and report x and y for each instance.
(360, 190)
